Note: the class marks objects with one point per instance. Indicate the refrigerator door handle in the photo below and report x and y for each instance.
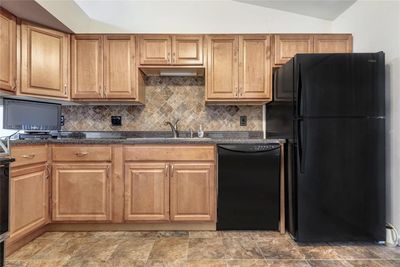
(300, 145)
(299, 91)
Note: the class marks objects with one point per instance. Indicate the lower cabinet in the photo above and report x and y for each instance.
(81, 192)
(169, 191)
(29, 198)
(146, 192)
(192, 192)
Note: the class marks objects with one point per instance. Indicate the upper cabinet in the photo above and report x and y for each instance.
(222, 67)
(171, 50)
(8, 56)
(238, 68)
(44, 62)
(155, 49)
(333, 43)
(288, 45)
(87, 66)
(103, 67)
(187, 49)
(119, 66)
(255, 67)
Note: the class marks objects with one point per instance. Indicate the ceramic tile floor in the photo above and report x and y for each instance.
(170, 249)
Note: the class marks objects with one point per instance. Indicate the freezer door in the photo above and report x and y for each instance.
(341, 180)
(340, 85)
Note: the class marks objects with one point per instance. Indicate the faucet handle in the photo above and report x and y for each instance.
(176, 122)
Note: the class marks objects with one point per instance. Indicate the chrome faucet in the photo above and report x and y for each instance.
(174, 127)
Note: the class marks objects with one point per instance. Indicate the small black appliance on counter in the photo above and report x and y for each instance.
(332, 108)
(4, 202)
(36, 118)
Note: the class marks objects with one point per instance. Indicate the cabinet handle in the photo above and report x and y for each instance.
(14, 85)
(172, 170)
(241, 91)
(29, 156)
(166, 169)
(47, 171)
(236, 91)
(169, 57)
(81, 154)
(65, 89)
(173, 57)
(108, 172)
(105, 91)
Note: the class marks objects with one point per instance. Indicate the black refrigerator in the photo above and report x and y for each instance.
(336, 164)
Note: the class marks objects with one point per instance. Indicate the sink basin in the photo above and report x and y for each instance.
(170, 138)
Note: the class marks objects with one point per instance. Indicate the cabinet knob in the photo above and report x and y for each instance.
(65, 89)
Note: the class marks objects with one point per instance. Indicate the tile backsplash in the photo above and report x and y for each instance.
(167, 98)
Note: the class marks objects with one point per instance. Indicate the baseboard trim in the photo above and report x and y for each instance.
(14, 245)
(90, 227)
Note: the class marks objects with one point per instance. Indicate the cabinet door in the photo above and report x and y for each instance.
(8, 56)
(187, 49)
(44, 62)
(87, 66)
(155, 50)
(119, 66)
(222, 80)
(81, 192)
(287, 46)
(255, 67)
(146, 191)
(28, 200)
(192, 192)
(333, 43)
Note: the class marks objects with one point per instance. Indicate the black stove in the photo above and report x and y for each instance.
(4, 203)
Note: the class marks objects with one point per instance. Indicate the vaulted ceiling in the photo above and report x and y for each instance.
(323, 9)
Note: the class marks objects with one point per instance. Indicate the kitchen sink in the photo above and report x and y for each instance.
(171, 138)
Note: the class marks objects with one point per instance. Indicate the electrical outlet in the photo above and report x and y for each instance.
(243, 120)
(116, 120)
(62, 120)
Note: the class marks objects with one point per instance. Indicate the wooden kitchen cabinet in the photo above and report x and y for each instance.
(44, 62)
(192, 191)
(29, 197)
(170, 183)
(155, 49)
(255, 80)
(87, 66)
(103, 67)
(119, 66)
(288, 45)
(171, 50)
(146, 192)
(223, 67)
(333, 43)
(81, 192)
(239, 69)
(8, 55)
(187, 49)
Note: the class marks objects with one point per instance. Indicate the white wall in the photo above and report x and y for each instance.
(376, 27)
(164, 16)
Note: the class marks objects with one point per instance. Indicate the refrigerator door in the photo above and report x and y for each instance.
(340, 180)
(340, 85)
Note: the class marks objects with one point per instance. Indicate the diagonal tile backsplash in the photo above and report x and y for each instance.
(167, 98)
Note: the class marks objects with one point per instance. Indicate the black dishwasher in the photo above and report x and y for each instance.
(248, 187)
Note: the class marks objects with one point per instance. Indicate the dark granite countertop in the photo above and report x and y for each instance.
(152, 138)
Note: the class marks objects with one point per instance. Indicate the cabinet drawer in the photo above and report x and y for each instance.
(81, 153)
(169, 153)
(25, 155)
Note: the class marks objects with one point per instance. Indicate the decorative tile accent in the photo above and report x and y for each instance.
(167, 98)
